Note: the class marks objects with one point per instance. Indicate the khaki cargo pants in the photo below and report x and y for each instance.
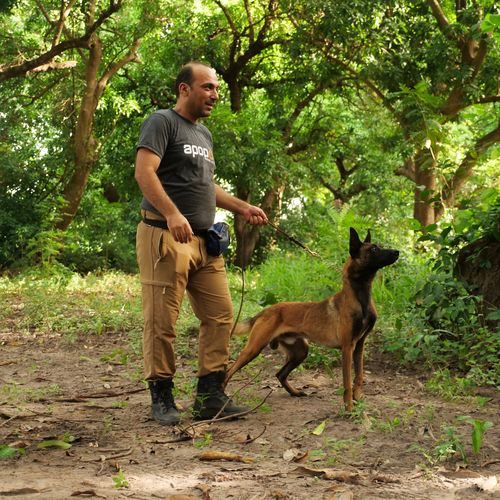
(167, 270)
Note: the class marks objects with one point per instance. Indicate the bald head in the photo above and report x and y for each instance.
(197, 91)
(187, 74)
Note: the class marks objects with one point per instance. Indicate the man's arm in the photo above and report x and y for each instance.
(252, 214)
(146, 165)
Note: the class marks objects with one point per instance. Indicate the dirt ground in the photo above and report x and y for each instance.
(89, 393)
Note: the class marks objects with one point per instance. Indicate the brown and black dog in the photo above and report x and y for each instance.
(342, 321)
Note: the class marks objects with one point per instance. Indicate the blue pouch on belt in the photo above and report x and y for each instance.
(217, 239)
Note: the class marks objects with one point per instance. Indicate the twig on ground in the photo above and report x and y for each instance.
(104, 458)
(490, 462)
(8, 420)
(82, 397)
(187, 430)
(246, 441)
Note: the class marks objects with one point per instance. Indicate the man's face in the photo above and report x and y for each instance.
(202, 95)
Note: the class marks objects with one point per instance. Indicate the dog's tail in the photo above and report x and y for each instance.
(243, 327)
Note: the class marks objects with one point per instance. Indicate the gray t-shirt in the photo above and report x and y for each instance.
(187, 164)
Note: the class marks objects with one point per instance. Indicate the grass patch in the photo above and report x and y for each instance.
(70, 304)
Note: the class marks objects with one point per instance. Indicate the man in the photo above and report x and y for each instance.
(174, 170)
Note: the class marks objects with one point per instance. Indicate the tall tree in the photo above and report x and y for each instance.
(431, 65)
(87, 44)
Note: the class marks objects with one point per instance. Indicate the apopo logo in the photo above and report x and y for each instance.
(193, 150)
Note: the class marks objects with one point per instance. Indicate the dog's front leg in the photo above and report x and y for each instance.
(347, 375)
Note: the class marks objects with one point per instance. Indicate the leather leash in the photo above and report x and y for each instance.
(294, 240)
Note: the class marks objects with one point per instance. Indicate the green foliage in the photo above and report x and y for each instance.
(102, 236)
(454, 313)
(479, 427)
(16, 393)
(7, 451)
(63, 302)
(449, 387)
(451, 443)
(120, 481)
(444, 324)
(206, 440)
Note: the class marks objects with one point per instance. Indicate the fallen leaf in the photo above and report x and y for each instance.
(205, 490)
(182, 497)
(290, 454)
(223, 455)
(294, 455)
(487, 483)
(262, 441)
(87, 493)
(20, 491)
(366, 423)
(383, 478)
(330, 474)
(339, 493)
(54, 443)
(319, 429)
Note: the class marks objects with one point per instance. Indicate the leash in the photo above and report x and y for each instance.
(294, 240)
(242, 269)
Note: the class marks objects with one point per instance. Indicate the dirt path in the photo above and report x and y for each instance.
(89, 393)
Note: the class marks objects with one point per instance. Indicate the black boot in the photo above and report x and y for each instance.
(210, 398)
(164, 410)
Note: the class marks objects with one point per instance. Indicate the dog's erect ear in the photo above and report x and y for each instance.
(368, 238)
(354, 243)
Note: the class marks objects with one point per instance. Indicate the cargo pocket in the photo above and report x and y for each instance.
(162, 247)
(153, 254)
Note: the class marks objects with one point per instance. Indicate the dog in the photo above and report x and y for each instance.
(342, 321)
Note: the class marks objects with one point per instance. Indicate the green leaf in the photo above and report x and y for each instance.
(414, 224)
(120, 480)
(7, 452)
(319, 429)
(491, 23)
(54, 443)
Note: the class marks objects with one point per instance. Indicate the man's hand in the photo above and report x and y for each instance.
(180, 228)
(254, 215)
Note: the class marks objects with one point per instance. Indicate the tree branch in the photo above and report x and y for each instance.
(488, 99)
(441, 18)
(228, 17)
(407, 170)
(374, 90)
(54, 65)
(465, 169)
(62, 21)
(112, 69)
(15, 70)
(251, 32)
(301, 105)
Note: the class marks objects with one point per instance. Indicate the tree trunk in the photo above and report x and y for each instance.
(235, 95)
(425, 187)
(248, 236)
(466, 170)
(84, 144)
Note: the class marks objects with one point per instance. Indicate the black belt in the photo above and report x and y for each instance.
(163, 225)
